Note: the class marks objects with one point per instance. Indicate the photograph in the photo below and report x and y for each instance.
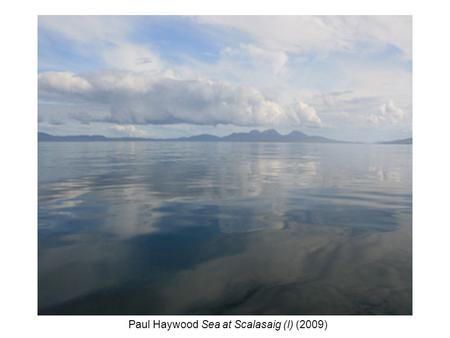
(224, 165)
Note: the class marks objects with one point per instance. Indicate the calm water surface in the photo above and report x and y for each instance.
(224, 228)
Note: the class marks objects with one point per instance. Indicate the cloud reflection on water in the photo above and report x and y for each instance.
(224, 228)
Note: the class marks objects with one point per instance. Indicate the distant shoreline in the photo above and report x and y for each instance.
(268, 136)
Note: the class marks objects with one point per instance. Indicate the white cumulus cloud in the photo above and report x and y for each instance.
(146, 98)
(307, 114)
(388, 113)
(63, 82)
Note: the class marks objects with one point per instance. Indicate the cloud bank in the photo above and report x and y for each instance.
(143, 98)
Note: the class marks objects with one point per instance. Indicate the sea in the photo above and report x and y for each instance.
(224, 228)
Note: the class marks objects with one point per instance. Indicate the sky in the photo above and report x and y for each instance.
(344, 77)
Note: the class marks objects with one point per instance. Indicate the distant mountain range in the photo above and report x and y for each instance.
(270, 135)
(402, 141)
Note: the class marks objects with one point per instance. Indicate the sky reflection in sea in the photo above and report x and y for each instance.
(141, 227)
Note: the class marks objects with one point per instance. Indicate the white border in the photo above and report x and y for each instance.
(18, 299)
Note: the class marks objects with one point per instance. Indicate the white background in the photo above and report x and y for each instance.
(18, 186)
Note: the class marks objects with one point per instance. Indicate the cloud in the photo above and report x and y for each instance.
(388, 113)
(321, 34)
(106, 37)
(63, 82)
(307, 113)
(129, 56)
(88, 28)
(256, 58)
(392, 111)
(129, 130)
(146, 98)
